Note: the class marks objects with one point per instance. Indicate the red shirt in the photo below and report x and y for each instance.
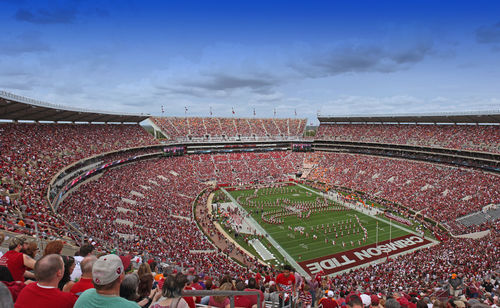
(197, 286)
(15, 288)
(35, 296)
(15, 263)
(242, 301)
(327, 302)
(258, 278)
(285, 283)
(189, 299)
(253, 298)
(82, 285)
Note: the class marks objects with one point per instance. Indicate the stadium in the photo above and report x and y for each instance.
(368, 196)
(249, 154)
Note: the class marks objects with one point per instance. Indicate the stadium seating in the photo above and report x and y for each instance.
(441, 192)
(197, 128)
(485, 138)
(33, 153)
(152, 209)
(147, 206)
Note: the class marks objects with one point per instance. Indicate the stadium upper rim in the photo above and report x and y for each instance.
(477, 117)
(20, 108)
(16, 107)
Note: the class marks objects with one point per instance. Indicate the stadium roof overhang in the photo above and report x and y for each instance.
(15, 107)
(491, 117)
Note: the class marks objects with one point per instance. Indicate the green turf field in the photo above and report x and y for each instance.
(323, 222)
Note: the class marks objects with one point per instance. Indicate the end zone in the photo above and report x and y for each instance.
(363, 255)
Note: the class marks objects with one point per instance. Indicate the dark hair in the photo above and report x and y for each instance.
(153, 266)
(209, 284)
(240, 286)
(171, 287)
(68, 261)
(421, 304)
(355, 300)
(145, 285)
(287, 267)
(224, 279)
(252, 283)
(86, 249)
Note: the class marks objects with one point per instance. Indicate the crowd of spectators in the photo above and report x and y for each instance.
(145, 209)
(456, 273)
(152, 210)
(176, 128)
(31, 154)
(442, 193)
(485, 138)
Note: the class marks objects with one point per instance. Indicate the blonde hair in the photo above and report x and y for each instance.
(224, 287)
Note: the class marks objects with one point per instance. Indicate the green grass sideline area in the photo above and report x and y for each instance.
(312, 228)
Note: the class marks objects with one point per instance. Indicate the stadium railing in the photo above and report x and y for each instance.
(232, 294)
(37, 230)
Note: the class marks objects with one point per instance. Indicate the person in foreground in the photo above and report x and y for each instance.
(170, 295)
(48, 271)
(107, 276)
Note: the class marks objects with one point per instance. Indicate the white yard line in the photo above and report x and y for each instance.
(269, 237)
(374, 217)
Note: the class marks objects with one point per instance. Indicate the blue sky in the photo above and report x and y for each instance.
(331, 57)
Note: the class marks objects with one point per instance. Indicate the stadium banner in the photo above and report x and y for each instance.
(362, 255)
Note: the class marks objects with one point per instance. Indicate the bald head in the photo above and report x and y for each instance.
(87, 264)
(49, 268)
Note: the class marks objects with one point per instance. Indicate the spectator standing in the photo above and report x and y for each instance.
(455, 283)
(285, 281)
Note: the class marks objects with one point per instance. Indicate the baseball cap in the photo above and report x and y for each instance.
(330, 293)
(375, 300)
(366, 299)
(107, 269)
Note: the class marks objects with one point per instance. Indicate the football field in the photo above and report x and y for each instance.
(310, 227)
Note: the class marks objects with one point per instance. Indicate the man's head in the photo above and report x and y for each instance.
(50, 268)
(287, 268)
(86, 249)
(87, 264)
(240, 286)
(16, 243)
(107, 272)
(354, 301)
(392, 303)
